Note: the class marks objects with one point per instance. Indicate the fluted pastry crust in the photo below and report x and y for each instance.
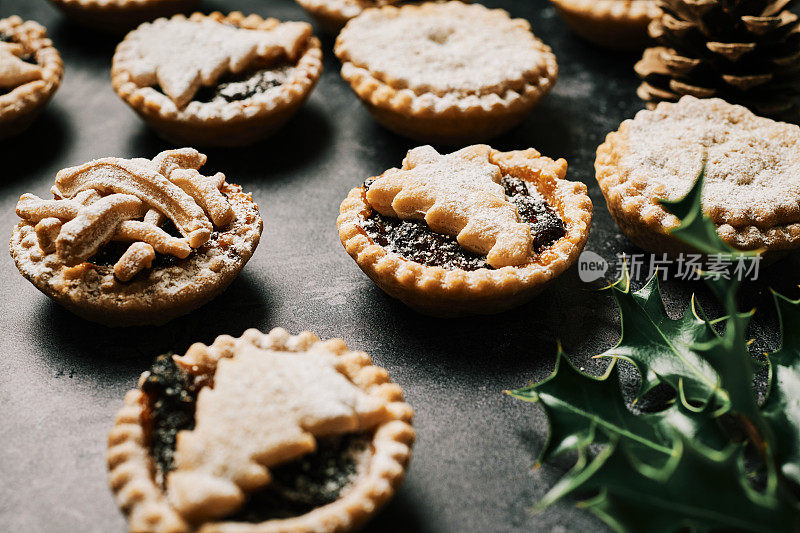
(455, 292)
(118, 16)
(53, 242)
(415, 107)
(20, 106)
(214, 123)
(145, 502)
(619, 24)
(756, 223)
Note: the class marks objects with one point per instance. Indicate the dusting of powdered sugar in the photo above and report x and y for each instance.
(457, 194)
(753, 167)
(444, 48)
(182, 55)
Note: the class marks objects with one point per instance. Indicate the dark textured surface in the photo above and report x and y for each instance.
(62, 379)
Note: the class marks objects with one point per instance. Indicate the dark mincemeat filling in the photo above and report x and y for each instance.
(108, 254)
(415, 241)
(237, 87)
(297, 487)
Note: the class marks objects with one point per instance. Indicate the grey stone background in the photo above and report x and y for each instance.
(62, 379)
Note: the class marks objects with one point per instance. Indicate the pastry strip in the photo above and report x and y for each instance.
(82, 237)
(136, 258)
(205, 191)
(47, 231)
(141, 180)
(161, 241)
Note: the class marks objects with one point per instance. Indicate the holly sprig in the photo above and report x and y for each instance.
(709, 458)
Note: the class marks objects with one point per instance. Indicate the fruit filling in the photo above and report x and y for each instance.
(296, 487)
(415, 241)
(245, 85)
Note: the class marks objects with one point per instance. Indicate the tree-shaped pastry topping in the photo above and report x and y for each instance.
(267, 406)
(458, 194)
(181, 55)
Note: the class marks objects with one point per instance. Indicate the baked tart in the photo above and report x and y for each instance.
(262, 433)
(617, 24)
(332, 15)
(450, 73)
(477, 231)
(215, 80)
(119, 16)
(136, 241)
(30, 73)
(752, 184)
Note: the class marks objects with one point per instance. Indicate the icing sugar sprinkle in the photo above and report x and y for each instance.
(753, 165)
(182, 55)
(444, 48)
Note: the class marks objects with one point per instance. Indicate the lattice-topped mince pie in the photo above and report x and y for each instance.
(30, 73)
(136, 241)
(473, 232)
(264, 433)
(752, 185)
(449, 72)
(217, 80)
(115, 16)
(620, 24)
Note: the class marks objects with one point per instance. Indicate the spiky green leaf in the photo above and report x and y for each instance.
(584, 409)
(782, 406)
(661, 348)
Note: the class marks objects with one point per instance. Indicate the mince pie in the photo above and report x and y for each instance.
(752, 184)
(473, 232)
(217, 80)
(119, 16)
(136, 241)
(619, 24)
(449, 73)
(263, 433)
(30, 73)
(332, 15)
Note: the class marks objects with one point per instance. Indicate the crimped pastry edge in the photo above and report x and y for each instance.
(456, 292)
(120, 16)
(131, 308)
(406, 102)
(648, 224)
(332, 15)
(611, 23)
(146, 506)
(156, 108)
(31, 97)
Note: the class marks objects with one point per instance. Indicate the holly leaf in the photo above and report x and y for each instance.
(583, 409)
(661, 348)
(782, 406)
(698, 489)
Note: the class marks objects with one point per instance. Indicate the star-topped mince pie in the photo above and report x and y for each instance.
(136, 241)
(217, 80)
(448, 72)
(119, 16)
(472, 232)
(30, 73)
(752, 184)
(262, 433)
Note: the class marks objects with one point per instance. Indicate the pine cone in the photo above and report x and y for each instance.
(744, 51)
